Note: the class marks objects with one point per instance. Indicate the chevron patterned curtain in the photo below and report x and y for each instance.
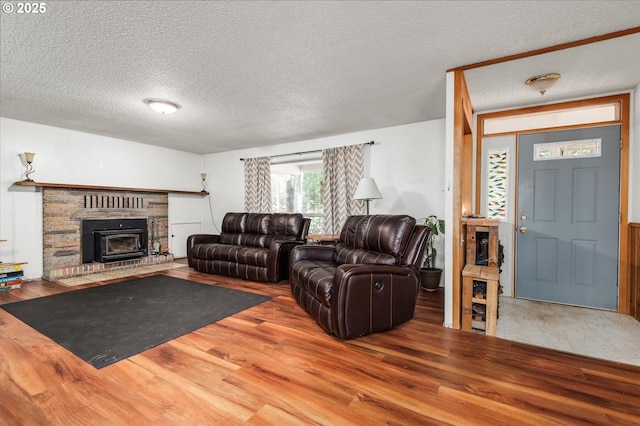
(257, 185)
(343, 168)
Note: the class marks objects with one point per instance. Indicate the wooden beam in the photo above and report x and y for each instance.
(549, 49)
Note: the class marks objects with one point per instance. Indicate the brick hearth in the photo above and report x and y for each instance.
(63, 212)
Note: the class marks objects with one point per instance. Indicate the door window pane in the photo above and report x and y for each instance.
(567, 150)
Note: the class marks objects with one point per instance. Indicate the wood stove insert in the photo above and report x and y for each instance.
(111, 240)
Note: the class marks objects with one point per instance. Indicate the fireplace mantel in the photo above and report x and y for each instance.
(37, 186)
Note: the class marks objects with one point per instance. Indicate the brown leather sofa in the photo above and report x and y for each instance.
(368, 282)
(253, 246)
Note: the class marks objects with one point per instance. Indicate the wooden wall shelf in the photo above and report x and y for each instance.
(37, 186)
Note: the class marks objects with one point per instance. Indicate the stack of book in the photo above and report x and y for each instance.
(10, 276)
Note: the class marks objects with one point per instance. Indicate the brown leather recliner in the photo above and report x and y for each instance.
(253, 246)
(368, 282)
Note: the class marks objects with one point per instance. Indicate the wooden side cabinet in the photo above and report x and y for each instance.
(634, 260)
(480, 278)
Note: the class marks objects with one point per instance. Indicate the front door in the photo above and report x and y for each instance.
(567, 216)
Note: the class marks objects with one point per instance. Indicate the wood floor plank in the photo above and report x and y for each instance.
(209, 406)
(270, 415)
(482, 410)
(273, 365)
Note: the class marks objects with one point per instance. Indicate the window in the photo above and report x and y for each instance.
(565, 150)
(575, 116)
(297, 187)
(497, 183)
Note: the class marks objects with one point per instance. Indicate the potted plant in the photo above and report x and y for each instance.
(429, 274)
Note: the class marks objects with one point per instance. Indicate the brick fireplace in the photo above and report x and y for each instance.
(64, 211)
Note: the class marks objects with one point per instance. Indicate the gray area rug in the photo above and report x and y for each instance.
(105, 324)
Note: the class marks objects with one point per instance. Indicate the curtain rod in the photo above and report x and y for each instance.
(304, 152)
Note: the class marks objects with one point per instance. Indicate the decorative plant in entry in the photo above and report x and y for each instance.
(429, 274)
(437, 228)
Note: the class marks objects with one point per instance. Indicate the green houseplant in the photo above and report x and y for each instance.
(429, 274)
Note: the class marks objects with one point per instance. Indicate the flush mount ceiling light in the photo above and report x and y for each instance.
(162, 106)
(541, 83)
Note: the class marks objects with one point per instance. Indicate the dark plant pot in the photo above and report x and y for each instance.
(430, 278)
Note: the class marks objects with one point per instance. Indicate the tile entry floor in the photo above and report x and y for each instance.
(591, 332)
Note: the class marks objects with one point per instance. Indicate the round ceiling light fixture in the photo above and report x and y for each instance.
(541, 83)
(162, 106)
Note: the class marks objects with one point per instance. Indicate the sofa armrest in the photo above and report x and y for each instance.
(367, 298)
(279, 252)
(194, 239)
(312, 252)
(202, 239)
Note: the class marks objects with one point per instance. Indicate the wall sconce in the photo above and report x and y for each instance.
(541, 83)
(28, 158)
(203, 176)
(367, 190)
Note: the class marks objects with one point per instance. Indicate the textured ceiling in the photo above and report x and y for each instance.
(609, 66)
(257, 73)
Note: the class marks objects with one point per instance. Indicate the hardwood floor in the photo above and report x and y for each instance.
(273, 365)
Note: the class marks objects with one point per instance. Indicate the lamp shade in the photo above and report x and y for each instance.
(367, 190)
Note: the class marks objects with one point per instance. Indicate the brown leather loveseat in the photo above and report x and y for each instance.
(368, 282)
(253, 246)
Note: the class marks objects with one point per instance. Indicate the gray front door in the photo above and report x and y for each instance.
(567, 217)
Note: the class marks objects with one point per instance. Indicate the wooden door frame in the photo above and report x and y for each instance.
(462, 187)
(623, 100)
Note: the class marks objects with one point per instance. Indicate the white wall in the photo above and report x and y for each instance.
(67, 156)
(406, 161)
